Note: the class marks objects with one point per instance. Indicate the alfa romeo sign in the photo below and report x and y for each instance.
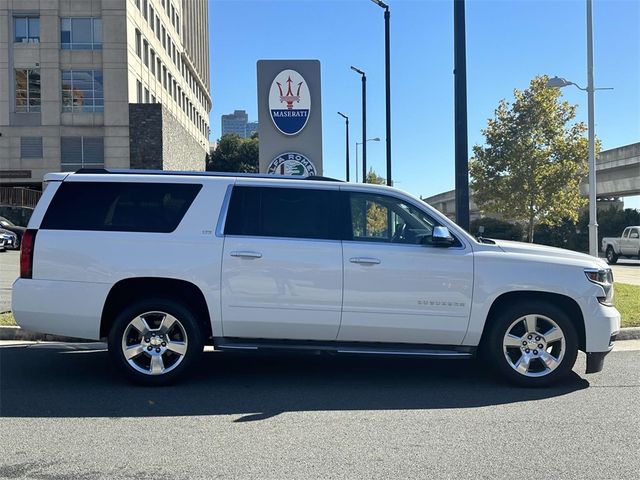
(289, 102)
(292, 163)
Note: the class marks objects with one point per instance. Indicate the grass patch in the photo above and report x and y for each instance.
(627, 301)
(6, 319)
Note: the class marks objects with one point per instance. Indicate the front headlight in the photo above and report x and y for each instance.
(604, 278)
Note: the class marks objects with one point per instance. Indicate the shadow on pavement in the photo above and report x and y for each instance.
(65, 381)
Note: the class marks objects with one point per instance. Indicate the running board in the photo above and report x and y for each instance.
(350, 348)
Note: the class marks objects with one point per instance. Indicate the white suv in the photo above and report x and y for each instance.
(163, 263)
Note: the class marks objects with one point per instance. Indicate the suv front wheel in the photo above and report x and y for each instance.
(533, 344)
(155, 341)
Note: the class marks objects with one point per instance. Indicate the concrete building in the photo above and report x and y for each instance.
(238, 123)
(102, 83)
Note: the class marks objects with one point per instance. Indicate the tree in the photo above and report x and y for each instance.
(235, 154)
(373, 177)
(533, 160)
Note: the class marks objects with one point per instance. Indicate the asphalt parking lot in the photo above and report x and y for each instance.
(66, 415)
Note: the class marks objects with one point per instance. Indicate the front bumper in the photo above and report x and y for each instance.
(601, 325)
(595, 361)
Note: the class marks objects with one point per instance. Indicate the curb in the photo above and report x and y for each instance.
(631, 333)
(17, 333)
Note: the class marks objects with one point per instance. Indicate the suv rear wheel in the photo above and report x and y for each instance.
(533, 344)
(155, 341)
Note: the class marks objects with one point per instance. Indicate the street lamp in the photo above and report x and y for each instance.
(375, 139)
(364, 122)
(347, 150)
(387, 75)
(557, 82)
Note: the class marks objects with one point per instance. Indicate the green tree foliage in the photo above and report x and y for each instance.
(377, 218)
(373, 177)
(612, 222)
(533, 160)
(575, 235)
(375, 215)
(235, 154)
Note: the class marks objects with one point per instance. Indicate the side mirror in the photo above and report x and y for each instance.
(634, 235)
(441, 237)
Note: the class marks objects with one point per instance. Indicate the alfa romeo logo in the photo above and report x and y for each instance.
(292, 163)
(289, 102)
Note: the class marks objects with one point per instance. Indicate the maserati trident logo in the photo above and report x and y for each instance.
(289, 102)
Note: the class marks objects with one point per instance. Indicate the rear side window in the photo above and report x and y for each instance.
(284, 212)
(119, 207)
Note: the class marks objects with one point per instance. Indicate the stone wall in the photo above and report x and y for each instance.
(180, 150)
(158, 141)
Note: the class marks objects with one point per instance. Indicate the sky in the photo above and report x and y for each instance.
(508, 43)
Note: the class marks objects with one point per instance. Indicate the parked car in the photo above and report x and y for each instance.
(2, 242)
(271, 263)
(9, 239)
(12, 227)
(628, 245)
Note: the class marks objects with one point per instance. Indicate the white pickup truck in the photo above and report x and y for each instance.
(626, 246)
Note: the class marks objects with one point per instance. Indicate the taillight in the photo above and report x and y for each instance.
(26, 253)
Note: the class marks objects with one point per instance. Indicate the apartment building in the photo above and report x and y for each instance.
(102, 83)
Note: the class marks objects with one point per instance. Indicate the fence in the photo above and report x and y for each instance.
(19, 196)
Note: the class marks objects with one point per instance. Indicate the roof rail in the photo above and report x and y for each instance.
(94, 171)
(322, 179)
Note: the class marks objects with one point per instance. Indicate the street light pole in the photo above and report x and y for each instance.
(593, 222)
(364, 122)
(347, 145)
(557, 82)
(460, 107)
(387, 74)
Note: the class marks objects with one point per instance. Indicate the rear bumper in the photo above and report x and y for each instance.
(72, 309)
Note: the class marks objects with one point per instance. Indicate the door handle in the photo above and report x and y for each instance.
(246, 254)
(365, 260)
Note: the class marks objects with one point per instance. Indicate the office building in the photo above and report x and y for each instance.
(102, 83)
(238, 123)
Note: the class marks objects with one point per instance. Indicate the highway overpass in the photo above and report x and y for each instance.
(617, 175)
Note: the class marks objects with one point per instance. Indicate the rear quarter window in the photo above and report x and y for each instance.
(119, 207)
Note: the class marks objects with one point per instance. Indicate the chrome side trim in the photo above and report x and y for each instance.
(418, 354)
(236, 347)
(223, 212)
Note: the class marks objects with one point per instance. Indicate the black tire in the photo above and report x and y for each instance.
(612, 257)
(186, 333)
(496, 351)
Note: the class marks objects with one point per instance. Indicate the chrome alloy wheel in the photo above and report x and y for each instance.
(154, 343)
(534, 345)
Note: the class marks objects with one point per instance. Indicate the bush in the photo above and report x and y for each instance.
(500, 229)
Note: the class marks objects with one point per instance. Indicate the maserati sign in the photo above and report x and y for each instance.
(289, 102)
